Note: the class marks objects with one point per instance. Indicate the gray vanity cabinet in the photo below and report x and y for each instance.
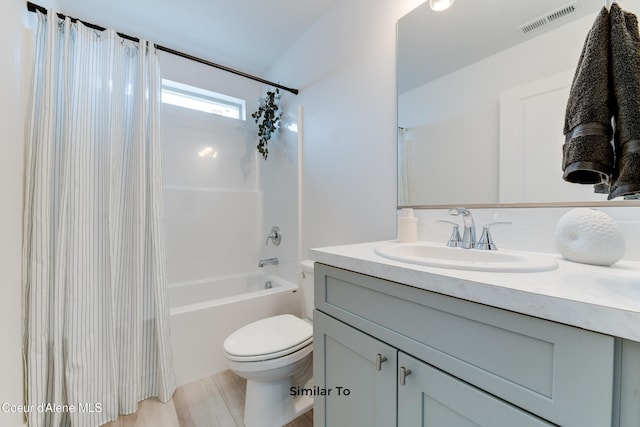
(356, 377)
(431, 398)
(470, 364)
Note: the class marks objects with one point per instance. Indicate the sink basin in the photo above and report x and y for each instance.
(433, 255)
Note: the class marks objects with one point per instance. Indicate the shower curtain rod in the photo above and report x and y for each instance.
(32, 7)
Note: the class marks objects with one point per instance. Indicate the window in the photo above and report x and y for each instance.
(195, 98)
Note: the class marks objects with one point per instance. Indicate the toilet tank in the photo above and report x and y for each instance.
(307, 288)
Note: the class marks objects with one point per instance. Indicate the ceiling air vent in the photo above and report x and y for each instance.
(549, 17)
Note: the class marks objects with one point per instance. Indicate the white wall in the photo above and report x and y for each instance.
(11, 177)
(344, 66)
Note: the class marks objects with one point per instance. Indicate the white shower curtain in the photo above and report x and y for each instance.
(96, 321)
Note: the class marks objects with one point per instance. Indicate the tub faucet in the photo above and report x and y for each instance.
(469, 234)
(268, 261)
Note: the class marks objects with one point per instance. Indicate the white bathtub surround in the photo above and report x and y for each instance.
(96, 328)
(280, 179)
(204, 313)
(213, 203)
(211, 233)
(286, 270)
(600, 299)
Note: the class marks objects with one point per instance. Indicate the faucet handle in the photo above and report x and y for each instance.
(459, 211)
(455, 240)
(275, 236)
(469, 234)
(486, 242)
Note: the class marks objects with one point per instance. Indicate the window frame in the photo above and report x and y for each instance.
(196, 98)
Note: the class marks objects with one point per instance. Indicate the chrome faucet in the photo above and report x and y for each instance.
(275, 236)
(469, 234)
(486, 242)
(268, 261)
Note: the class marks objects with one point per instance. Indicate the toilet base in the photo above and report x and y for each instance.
(270, 404)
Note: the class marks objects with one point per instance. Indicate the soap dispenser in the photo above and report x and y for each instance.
(407, 226)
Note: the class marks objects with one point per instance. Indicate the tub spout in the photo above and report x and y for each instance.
(268, 261)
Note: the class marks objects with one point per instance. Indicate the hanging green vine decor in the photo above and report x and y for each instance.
(267, 117)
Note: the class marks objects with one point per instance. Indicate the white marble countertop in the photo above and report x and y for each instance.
(600, 299)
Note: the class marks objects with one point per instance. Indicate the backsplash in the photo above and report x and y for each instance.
(531, 229)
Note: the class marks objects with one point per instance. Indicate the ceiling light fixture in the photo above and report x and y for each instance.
(440, 5)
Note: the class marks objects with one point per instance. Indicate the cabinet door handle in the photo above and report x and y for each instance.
(404, 373)
(380, 359)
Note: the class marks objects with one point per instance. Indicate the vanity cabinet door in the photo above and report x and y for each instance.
(431, 398)
(355, 375)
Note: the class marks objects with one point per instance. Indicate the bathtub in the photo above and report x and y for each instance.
(204, 313)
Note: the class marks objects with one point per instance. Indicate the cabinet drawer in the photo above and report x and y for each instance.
(563, 374)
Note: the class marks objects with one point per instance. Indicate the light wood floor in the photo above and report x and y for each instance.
(216, 401)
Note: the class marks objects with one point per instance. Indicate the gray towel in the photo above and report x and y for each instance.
(625, 71)
(587, 152)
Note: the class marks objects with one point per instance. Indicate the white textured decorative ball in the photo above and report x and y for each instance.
(590, 237)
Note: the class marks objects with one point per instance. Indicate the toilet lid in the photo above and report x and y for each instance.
(268, 338)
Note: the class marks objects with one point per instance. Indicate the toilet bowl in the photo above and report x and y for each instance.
(274, 355)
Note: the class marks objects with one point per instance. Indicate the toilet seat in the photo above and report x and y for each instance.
(269, 338)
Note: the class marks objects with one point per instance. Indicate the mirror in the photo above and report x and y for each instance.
(482, 89)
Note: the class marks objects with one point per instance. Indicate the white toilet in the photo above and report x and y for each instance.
(274, 355)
